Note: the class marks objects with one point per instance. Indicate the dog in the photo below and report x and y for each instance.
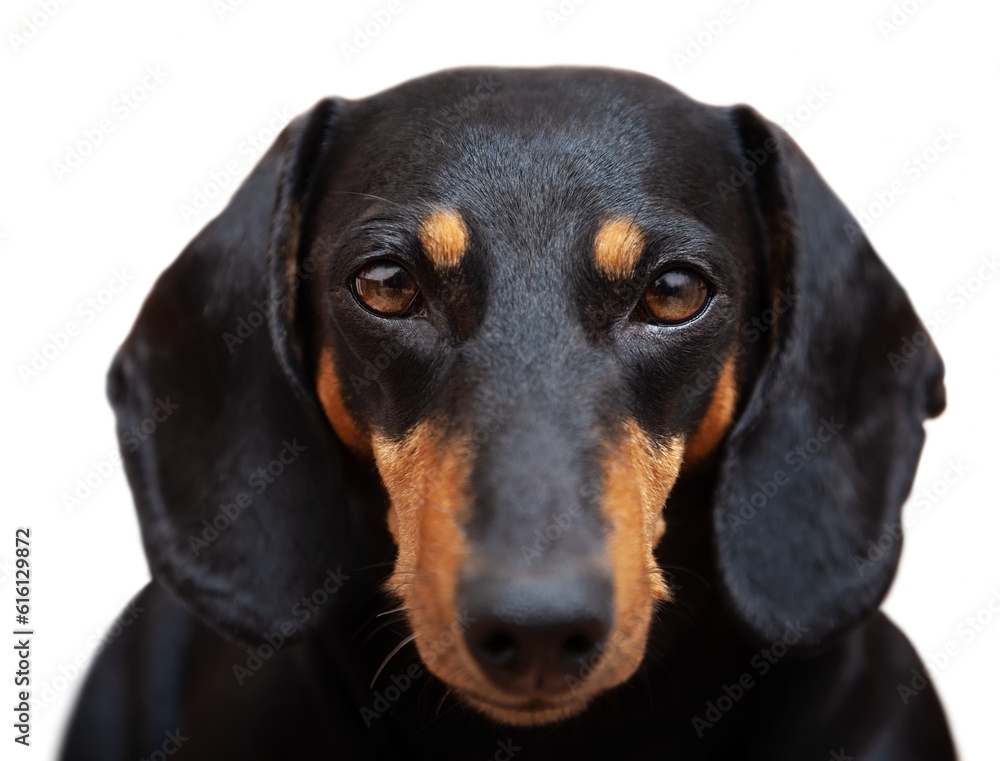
(520, 413)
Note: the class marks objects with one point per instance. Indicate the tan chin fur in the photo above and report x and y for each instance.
(427, 478)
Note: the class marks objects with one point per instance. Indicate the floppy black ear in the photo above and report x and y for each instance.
(237, 479)
(824, 453)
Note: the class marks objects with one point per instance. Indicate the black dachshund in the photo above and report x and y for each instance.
(534, 414)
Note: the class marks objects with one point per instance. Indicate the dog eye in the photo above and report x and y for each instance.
(675, 296)
(385, 288)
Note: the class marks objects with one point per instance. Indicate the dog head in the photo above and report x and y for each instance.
(525, 301)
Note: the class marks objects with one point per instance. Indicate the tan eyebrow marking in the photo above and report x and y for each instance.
(618, 246)
(444, 237)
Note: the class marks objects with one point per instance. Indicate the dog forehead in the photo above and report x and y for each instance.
(524, 144)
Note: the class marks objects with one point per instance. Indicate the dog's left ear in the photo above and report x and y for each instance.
(238, 480)
(818, 465)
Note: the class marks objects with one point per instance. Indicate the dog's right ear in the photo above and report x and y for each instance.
(833, 426)
(238, 480)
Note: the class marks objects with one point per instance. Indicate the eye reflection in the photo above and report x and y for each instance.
(676, 296)
(385, 288)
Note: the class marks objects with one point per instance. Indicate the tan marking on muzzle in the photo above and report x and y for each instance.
(330, 396)
(444, 237)
(618, 246)
(427, 479)
(639, 474)
(719, 418)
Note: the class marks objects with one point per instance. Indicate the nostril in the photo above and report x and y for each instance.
(577, 646)
(498, 649)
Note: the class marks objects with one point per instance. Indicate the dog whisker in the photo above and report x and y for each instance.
(394, 610)
(375, 616)
(381, 626)
(458, 704)
(372, 196)
(697, 575)
(444, 697)
(671, 606)
(389, 657)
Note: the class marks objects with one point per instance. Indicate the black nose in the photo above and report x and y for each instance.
(533, 635)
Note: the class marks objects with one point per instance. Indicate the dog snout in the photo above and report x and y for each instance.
(536, 636)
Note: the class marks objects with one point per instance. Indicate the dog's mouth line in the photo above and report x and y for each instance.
(532, 711)
(529, 705)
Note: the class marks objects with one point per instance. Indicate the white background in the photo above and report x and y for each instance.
(891, 82)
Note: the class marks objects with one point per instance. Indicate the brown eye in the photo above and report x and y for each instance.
(676, 296)
(385, 288)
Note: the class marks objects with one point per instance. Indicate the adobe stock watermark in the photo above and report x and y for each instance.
(50, 691)
(375, 366)
(101, 471)
(937, 660)
(797, 458)
(562, 12)
(545, 537)
(589, 664)
(6, 570)
(912, 170)
(369, 30)
(59, 340)
(230, 512)
(710, 31)
(794, 120)
(31, 26)
(898, 17)
(559, 524)
(246, 325)
(892, 533)
(752, 330)
(384, 699)
(172, 742)
(223, 8)
(930, 494)
(487, 426)
(506, 750)
(87, 485)
(122, 107)
(448, 118)
(760, 664)
(252, 147)
(956, 300)
(430, 652)
(302, 612)
(740, 174)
